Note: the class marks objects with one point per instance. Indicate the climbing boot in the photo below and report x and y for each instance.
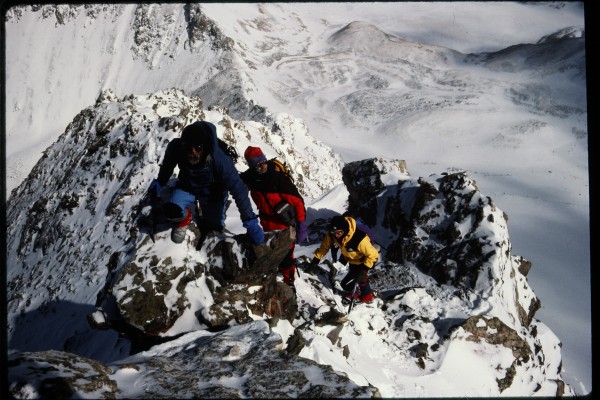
(179, 231)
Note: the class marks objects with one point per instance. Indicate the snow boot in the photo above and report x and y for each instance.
(366, 298)
(347, 298)
(179, 231)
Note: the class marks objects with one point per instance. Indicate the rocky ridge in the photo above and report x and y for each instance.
(430, 258)
(444, 244)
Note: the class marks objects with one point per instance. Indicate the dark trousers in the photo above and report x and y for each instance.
(357, 273)
(287, 266)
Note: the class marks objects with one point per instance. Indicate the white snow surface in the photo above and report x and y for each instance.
(530, 156)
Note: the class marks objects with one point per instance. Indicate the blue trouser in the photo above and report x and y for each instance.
(213, 209)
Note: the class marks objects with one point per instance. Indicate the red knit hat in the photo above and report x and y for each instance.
(254, 156)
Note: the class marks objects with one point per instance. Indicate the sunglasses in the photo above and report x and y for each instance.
(337, 232)
(260, 164)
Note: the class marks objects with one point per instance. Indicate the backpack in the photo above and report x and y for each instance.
(282, 167)
(229, 150)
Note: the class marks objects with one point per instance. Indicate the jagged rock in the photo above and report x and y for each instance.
(495, 332)
(295, 343)
(446, 228)
(191, 370)
(151, 292)
(334, 334)
(363, 181)
(141, 293)
(79, 375)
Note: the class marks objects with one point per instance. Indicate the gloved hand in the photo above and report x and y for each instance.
(301, 232)
(313, 267)
(254, 230)
(154, 185)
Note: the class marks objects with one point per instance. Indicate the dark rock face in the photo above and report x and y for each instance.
(144, 307)
(363, 181)
(445, 227)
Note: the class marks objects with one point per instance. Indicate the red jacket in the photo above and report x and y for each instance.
(267, 190)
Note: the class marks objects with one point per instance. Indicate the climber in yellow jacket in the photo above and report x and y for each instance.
(356, 249)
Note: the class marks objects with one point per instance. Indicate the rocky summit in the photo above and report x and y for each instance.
(446, 276)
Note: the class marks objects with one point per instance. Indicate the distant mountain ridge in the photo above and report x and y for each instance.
(171, 45)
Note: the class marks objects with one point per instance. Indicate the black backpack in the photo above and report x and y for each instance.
(229, 150)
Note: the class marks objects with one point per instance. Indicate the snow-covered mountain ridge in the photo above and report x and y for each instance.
(379, 92)
(533, 99)
(99, 181)
(447, 247)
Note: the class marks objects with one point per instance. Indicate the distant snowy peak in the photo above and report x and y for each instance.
(368, 39)
(569, 32)
(559, 52)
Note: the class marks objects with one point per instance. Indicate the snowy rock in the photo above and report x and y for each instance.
(363, 179)
(78, 375)
(193, 368)
(159, 283)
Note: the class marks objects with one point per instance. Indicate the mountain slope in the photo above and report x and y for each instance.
(530, 128)
(93, 177)
(447, 276)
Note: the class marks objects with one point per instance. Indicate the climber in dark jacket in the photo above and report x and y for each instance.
(208, 175)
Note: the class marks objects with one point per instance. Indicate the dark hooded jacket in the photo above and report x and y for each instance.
(213, 177)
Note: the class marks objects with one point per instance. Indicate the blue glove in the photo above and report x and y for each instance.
(254, 230)
(154, 186)
(301, 232)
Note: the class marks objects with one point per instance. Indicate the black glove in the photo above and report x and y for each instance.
(313, 267)
(343, 260)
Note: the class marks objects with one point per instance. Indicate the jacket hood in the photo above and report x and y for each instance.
(200, 133)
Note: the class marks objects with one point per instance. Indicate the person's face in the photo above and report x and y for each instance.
(338, 233)
(261, 167)
(194, 154)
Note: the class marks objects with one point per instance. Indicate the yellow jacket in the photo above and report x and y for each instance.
(357, 250)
